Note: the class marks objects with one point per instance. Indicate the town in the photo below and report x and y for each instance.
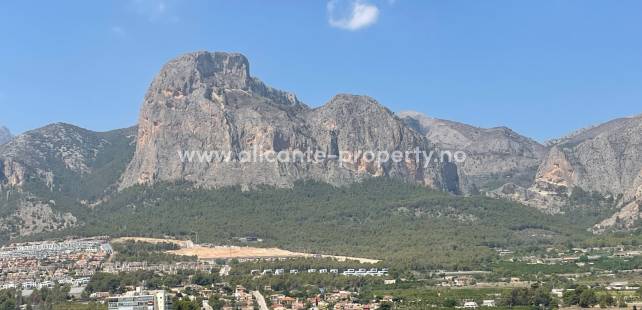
(122, 273)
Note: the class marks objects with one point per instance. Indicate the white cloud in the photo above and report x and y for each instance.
(352, 14)
(154, 10)
(118, 30)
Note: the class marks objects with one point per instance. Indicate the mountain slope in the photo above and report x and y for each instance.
(208, 102)
(597, 168)
(494, 155)
(401, 222)
(603, 162)
(606, 159)
(49, 175)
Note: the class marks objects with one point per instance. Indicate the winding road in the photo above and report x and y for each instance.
(260, 300)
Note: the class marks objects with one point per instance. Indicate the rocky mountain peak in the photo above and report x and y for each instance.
(225, 70)
(211, 76)
(5, 135)
(207, 101)
(349, 103)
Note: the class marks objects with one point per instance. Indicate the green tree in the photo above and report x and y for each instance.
(587, 298)
(606, 300)
(216, 303)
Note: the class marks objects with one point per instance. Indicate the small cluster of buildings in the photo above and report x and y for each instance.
(347, 272)
(36, 265)
(622, 286)
(338, 300)
(457, 281)
(574, 255)
(243, 299)
(167, 268)
(486, 303)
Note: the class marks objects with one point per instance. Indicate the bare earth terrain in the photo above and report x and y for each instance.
(251, 252)
(188, 248)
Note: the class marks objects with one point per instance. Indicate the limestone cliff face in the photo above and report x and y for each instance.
(605, 159)
(208, 102)
(556, 174)
(494, 155)
(358, 123)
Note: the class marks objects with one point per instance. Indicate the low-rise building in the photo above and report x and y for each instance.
(158, 300)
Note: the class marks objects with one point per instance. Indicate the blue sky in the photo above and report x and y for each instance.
(543, 68)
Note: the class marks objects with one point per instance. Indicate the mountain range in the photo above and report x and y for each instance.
(208, 101)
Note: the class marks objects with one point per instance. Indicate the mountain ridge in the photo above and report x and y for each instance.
(50, 175)
(494, 155)
(209, 101)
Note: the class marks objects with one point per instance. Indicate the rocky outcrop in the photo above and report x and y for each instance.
(545, 202)
(556, 174)
(208, 102)
(606, 159)
(5, 135)
(624, 219)
(33, 217)
(494, 156)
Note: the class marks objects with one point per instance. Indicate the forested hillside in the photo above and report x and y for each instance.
(379, 218)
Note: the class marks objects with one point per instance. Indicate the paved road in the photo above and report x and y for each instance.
(260, 300)
(206, 305)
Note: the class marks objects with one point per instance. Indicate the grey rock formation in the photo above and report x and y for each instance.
(494, 155)
(606, 158)
(5, 135)
(208, 102)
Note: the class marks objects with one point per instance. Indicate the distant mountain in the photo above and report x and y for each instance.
(50, 174)
(494, 155)
(602, 161)
(209, 102)
(606, 159)
(5, 135)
